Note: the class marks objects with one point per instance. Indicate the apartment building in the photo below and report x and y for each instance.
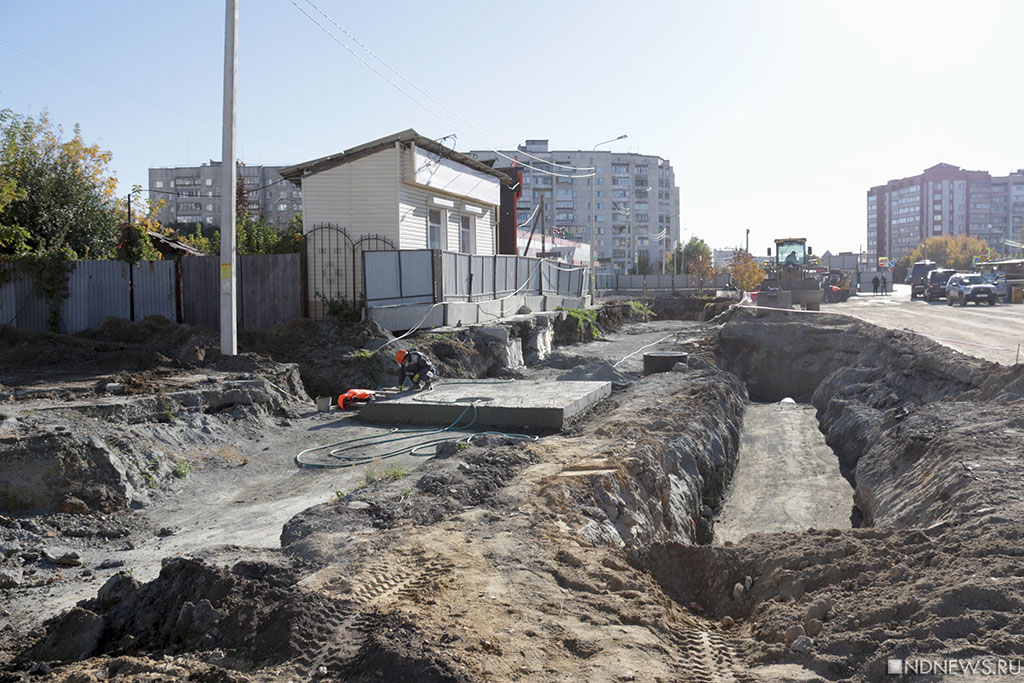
(192, 193)
(631, 201)
(944, 200)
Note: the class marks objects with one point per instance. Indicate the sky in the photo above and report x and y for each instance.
(776, 116)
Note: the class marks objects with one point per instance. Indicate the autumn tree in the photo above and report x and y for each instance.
(745, 271)
(57, 196)
(948, 251)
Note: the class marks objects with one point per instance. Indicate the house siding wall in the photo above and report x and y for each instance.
(414, 201)
(360, 196)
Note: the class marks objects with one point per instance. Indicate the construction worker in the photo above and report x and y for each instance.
(417, 367)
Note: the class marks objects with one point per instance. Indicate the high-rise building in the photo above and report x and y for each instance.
(192, 193)
(631, 201)
(944, 200)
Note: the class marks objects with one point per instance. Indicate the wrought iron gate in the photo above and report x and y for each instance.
(334, 263)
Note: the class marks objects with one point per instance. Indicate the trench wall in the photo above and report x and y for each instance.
(886, 402)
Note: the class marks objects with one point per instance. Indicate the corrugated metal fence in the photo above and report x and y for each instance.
(96, 290)
(408, 277)
(611, 281)
(269, 290)
(269, 286)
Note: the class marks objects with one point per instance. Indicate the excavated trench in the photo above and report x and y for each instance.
(903, 417)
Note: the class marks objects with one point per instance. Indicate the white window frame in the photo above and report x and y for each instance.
(436, 230)
(467, 234)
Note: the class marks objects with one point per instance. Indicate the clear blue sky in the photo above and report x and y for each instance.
(777, 116)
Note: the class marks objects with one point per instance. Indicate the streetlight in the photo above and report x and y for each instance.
(593, 214)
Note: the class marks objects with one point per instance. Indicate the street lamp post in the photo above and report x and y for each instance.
(593, 215)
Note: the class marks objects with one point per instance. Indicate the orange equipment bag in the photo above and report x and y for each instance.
(353, 395)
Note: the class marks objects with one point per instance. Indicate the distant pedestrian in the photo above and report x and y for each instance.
(884, 284)
(874, 285)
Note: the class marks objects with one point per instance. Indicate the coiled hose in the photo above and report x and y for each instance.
(337, 450)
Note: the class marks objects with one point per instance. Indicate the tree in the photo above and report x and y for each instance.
(746, 272)
(56, 195)
(951, 251)
(643, 264)
(696, 254)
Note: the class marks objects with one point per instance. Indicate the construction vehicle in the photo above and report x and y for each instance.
(788, 282)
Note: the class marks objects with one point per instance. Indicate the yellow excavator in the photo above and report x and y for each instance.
(789, 283)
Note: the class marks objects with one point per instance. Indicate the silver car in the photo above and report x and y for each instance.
(964, 287)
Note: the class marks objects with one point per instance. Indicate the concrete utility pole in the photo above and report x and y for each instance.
(593, 214)
(228, 253)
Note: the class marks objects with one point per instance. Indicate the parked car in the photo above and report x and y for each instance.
(937, 281)
(964, 287)
(919, 277)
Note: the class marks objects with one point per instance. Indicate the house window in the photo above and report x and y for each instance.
(159, 183)
(435, 228)
(466, 234)
(282, 207)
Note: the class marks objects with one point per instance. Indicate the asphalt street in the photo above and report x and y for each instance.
(995, 333)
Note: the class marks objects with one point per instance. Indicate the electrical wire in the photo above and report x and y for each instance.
(434, 99)
(418, 102)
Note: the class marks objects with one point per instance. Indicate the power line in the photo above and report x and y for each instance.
(434, 99)
(418, 102)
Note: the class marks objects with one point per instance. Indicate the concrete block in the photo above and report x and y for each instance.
(489, 310)
(534, 303)
(406, 316)
(496, 334)
(539, 342)
(511, 305)
(553, 301)
(573, 302)
(461, 313)
(514, 403)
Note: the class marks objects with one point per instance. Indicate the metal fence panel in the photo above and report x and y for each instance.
(200, 295)
(548, 277)
(154, 289)
(383, 277)
(482, 280)
(455, 276)
(504, 275)
(96, 290)
(269, 289)
(528, 275)
(416, 270)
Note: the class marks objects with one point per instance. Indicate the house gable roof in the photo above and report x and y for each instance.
(297, 172)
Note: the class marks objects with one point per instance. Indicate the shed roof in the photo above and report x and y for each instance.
(298, 171)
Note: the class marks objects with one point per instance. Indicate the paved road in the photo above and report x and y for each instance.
(787, 478)
(989, 332)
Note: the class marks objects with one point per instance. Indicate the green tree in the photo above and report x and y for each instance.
(56, 196)
(696, 256)
(643, 264)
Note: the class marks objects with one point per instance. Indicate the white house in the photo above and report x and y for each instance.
(412, 190)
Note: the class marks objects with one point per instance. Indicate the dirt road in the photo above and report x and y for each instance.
(990, 332)
(787, 478)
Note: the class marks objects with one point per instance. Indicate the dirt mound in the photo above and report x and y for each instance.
(599, 372)
(861, 595)
(397, 650)
(249, 617)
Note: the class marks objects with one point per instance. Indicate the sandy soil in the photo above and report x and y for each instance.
(582, 555)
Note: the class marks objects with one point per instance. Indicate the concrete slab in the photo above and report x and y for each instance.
(499, 403)
(404, 317)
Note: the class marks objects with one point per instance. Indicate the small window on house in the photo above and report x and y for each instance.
(434, 228)
(209, 181)
(159, 183)
(466, 235)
